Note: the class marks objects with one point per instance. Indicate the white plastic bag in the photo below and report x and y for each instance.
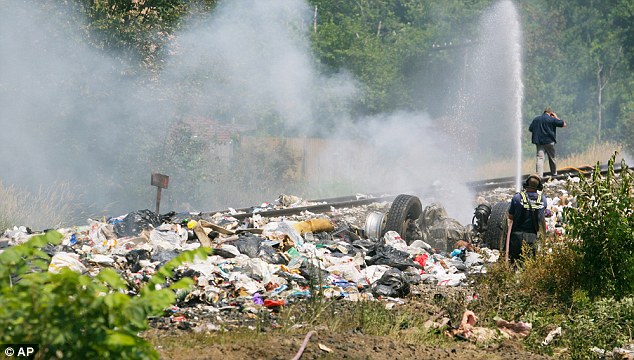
(66, 260)
(393, 239)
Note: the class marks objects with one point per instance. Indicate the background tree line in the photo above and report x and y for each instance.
(579, 55)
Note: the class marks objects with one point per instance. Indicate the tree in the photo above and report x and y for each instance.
(603, 78)
(623, 21)
(574, 63)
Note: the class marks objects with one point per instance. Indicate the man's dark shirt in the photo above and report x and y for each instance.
(544, 129)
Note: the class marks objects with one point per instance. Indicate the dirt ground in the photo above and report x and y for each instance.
(327, 345)
(274, 343)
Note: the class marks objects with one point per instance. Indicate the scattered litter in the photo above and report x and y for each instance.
(551, 336)
(514, 329)
(264, 263)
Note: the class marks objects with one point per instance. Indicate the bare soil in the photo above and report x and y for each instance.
(328, 345)
(245, 340)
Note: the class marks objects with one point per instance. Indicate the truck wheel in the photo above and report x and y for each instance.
(497, 226)
(404, 210)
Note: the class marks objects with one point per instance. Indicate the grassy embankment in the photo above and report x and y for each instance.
(595, 153)
(47, 208)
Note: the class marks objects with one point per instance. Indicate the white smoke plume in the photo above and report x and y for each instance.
(70, 112)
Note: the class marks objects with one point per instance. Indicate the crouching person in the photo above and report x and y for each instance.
(527, 216)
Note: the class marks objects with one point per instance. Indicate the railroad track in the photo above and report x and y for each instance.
(586, 170)
(322, 205)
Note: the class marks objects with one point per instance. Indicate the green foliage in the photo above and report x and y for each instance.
(580, 49)
(623, 18)
(386, 45)
(75, 316)
(138, 30)
(605, 324)
(552, 275)
(363, 37)
(603, 224)
(590, 38)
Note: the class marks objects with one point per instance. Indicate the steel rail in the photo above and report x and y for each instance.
(324, 205)
(562, 174)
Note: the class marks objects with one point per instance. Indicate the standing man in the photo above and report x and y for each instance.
(526, 215)
(544, 136)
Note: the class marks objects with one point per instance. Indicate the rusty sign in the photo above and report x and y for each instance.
(160, 180)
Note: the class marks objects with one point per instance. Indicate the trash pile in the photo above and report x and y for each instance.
(268, 262)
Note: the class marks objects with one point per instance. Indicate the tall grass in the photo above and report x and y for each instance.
(49, 207)
(595, 153)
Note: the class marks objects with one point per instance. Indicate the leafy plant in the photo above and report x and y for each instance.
(502, 295)
(73, 315)
(552, 275)
(604, 324)
(603, 224)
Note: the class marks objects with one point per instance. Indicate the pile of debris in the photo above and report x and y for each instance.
(262, 262)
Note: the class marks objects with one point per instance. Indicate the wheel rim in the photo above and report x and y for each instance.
(374, 224)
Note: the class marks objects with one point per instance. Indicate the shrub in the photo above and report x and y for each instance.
(75, 316)
(603, 225)
(605, 324)
(553, 274)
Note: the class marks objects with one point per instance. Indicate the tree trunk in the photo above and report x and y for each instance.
(602, 82)
(600, 86)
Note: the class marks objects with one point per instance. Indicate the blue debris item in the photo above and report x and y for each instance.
(73, 239)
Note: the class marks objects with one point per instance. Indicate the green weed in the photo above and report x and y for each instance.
(75, 316)
(602, 225)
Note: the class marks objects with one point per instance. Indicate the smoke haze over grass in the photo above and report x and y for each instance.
(70, 112)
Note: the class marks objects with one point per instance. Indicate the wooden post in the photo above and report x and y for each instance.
(158, 199)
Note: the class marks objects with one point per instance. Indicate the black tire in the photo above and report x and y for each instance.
(404, 208)
(497, 226)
